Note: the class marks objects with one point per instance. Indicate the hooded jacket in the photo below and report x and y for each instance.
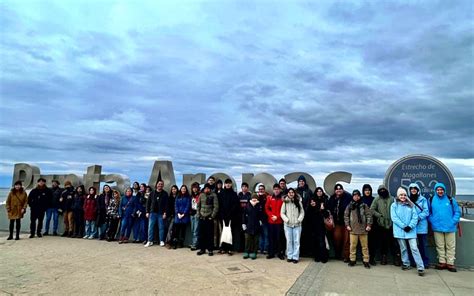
(368, 200)
(445, 214)
(304, 192)
(208, 206)
(90, 208)
(422, 209)
(291, 216)
(40, 198)
(253, 218)
(403, 214)
(351, 217)
(381, 208)
(68, 198)
(337, 206)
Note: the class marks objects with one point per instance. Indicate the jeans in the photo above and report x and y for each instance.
(54, 213)
(194, 231)
(139, 229)
(153, 220)
(126, 229)
(263, 242)
(103, 230)
(414, 251)
(90, 228)
(293, 235)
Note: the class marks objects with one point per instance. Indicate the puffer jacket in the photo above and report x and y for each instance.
(291, 216)
(381, 209)
(403, 214)
(422, 209)
(208, 206)
(445, 213)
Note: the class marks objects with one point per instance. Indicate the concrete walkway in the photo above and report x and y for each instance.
(64, 266)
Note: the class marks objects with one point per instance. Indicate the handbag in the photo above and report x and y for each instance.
(226, 236)
(329, 222)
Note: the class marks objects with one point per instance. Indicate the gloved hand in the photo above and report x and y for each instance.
(407, 228)
(244, 227)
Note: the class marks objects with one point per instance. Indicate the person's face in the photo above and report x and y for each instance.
(367, 192)
(91, 191)
(136, 185)
(116, 195)
(301, 183)
(183, 190)
(195, 189)
(128, 192)
(228, 185)
(254, 199)
(403, 196)
(211, 181)
(159, 185)
(142, 187)
(174, 190)
(41, 183)
(245, 189)
(282, 184)
(79, 189)
(261, 190)
(106, 189)
(291, 194)
(440, 191)
(276, 191)
(339, 191)
(207, 190)
(219, 185)
(55, 185)
(356, 197)
(319, 193)
(413, 191)
(17, 187)
(148, 190)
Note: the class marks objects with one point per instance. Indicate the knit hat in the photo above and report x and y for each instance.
(207, 186)
(301, 178)
(228, 181)
(338, 186)
(41, 180)
(401, 190)
(356, 192)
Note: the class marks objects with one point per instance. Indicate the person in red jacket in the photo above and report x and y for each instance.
(90, 212)
(275, 224)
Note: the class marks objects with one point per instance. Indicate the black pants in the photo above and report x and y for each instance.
(373, 242)
(321, 254)
(179, 233)
(113, 226)
(385, 237)
(206, 234)
(276, 239)
(36, 214)
(18, 227)
(79, 223)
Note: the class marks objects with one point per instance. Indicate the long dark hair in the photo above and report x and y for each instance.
(187, 191)
(324, 197)
(296, 199)
(21, 187)
(171, 190)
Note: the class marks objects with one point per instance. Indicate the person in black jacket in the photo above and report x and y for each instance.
(102, 204)
(306, 194)
(244, 198)
(252, 220)
(52, 211)
(315, 214)
(38, 201)
(156, 207)
(66, 201)
(78, 209)
(337, 205)
(228, 211)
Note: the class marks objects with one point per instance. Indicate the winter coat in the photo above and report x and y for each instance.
(16, 202)
(78, 202)
(113, 209)
(40, 198)
(182, 206)
(243, 202)
(368, 200)
(337, 206)
(140, 205)
(208, 206)
(403, 214)
(170, 207)
(291, 216)
(194, 203)
(422, 209)
(102, 202)
(445, 213)
(228, 204)
(351, 217)
(305, 194)
(381, 210)
(90, 208)
(68, 198)
(56, 192)
(127, 206)
(262, 199)
(252, 218)
(315, 217)
(157, 202)
(273, 208)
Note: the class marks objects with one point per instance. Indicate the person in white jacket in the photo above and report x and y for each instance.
(292, 214)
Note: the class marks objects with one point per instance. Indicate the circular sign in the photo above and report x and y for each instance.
(424, 170)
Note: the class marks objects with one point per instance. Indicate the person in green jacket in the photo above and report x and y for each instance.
(207, 209)
(384, 233)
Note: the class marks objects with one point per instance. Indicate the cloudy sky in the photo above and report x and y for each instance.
(236, 86)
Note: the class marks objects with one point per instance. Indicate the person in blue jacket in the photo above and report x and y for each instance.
(405, 219)
(444, 218)
(126, 212)
(181, 216)
(421, 207)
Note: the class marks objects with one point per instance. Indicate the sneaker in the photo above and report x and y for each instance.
(162, 244)
(406, 267)
(200, 252)
(289, 260)
(367, 265)
(421, 272)
(85, 237)
(253, 256)
(46, 233)
(281, 256)
(31, 236)
(211, 253)
(55, 233)
(10, 237)
(246, 255)
(39, 234)
(193, 248)
(91, 237)
(148, 244)
(451, 268)
(295, 261)
(270, 256)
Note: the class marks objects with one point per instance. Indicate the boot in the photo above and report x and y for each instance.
(253, 256)
(246, 255)
(384, 260)
(397, 261)
(10, 237)
(18, 227)
(66, 233)
(70, 234)
(372, 261)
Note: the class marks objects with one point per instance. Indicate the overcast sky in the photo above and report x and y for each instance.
(236, 86)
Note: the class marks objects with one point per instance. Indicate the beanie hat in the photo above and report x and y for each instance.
(228, 181)
(401, 190)
(356, 192)
(207, 186)
(301, 178)
(338, 186)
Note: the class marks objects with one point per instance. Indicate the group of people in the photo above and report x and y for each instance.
(284, 223)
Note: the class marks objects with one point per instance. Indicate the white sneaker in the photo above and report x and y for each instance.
(91, 237)
(85, 237)
(148, 244)
(162, 244)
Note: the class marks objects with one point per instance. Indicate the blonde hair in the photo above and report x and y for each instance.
(401, 190)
